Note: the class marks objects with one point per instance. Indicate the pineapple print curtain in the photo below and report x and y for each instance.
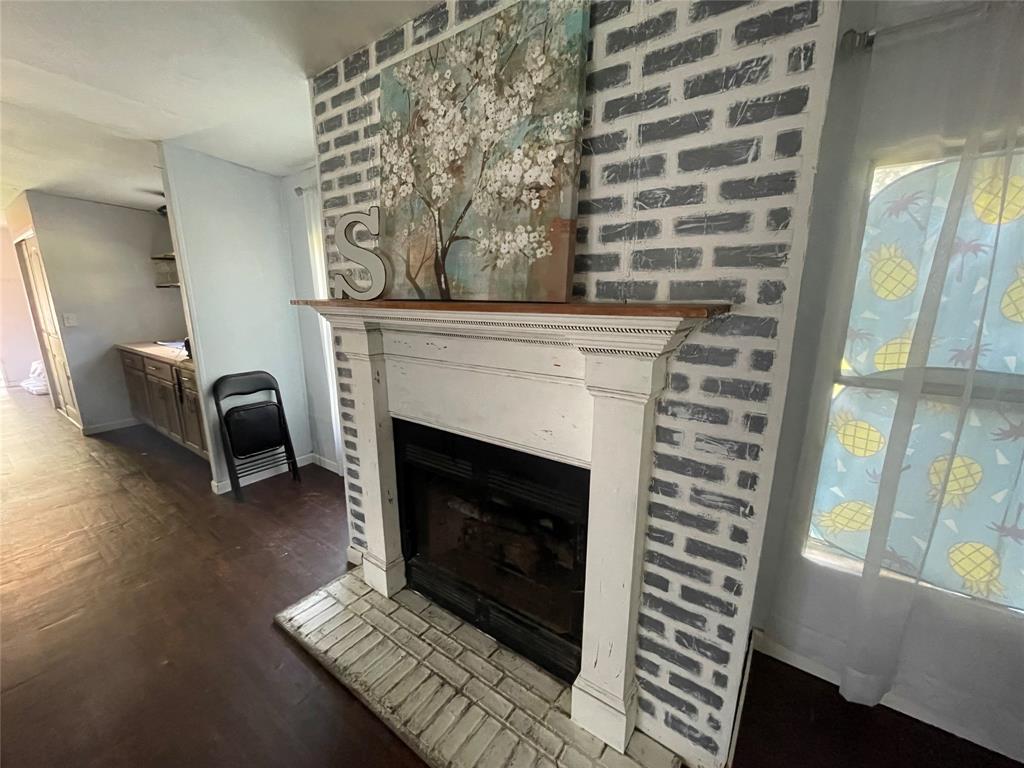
(920, 481)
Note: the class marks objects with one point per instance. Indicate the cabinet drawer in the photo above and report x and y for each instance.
(188, 380)
(128, 360)
(158, 370)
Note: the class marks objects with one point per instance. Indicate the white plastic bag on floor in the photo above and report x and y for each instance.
(36, 381)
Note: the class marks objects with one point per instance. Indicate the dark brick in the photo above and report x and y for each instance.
(357, 515)
(755, 422)
(669, 197)
(339, 201)
(643, 664)
(609, 77)
(683, 52)
(361, 155)
(781, 21)
(579, 290)
(361, 112)
(671, 655)
(701, 354)
(660, 259)
(344, 97)
(727, 448)
(645, 705)
(684, 729)
(664, 487)
(634, 169)
(762, 359)
(726, 633)
(595, 262)
(679, 382)
(801, 58)
(651, 624)
(327, 186)
(739, 535)
(695, 690)
(769, 185)
(758, 255)
(356, 64)
(660, 536)
(584, 179)
(770, 292)
(713, 223)
(707, 414)
(606, 142)
(372, 172)
(741, 389)
(349, 179)
(332, 124)
(747, 72)
(676, 126)
(599, 205)
(364, 196)
(648, 29)
(627, 290)
(742, 325)
(371, 130)
(606, 10)
(668, 437)
(350, 137)
(704, 600)
(789, 143)
(719, 680)
(581, 235)
(467, 9)
(703, 648)
(630, 230)
(782, 104)
(733, 291)
(369, 85)
(678, 703)
(323, 146)
(636, 102)
(779, 219)
(319, 108)
(681, 465)
(359, 542)
(714, 553)
(430, 23)
(720, 502)
(325, 81)
(738, 152)
(747, 481)
(702, 9)
(673, 611)
(656, 580)
(713, 722)
(679, 517)
(332, 164)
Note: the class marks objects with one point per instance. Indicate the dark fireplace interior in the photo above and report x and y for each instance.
(497, 537)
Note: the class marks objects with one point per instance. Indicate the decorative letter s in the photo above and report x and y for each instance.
(364, 257)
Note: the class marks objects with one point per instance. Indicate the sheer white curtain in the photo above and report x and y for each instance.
(906, 577)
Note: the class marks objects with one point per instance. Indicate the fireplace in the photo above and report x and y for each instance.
(498, 537)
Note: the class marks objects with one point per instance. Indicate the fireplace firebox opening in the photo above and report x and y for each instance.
(498, 537)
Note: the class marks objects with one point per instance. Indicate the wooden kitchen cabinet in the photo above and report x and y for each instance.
(192, 422)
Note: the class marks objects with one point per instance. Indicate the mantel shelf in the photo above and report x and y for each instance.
(699, 311)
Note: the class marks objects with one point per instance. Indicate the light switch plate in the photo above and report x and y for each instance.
(70, 319)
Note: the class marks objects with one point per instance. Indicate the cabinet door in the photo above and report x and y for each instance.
(192, 421)
(137, 395)
(174, 408)
(158, 404)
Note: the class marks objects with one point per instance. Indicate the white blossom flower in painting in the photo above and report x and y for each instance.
(479, 153)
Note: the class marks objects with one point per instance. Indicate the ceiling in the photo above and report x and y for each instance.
(86, 88)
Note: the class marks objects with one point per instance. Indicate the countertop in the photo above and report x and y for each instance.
(158, 352)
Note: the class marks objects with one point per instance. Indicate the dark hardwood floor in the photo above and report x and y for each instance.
(136, 610)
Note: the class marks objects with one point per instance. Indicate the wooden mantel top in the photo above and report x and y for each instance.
(581, 309)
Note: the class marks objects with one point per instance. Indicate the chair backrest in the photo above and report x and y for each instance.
(247, 383)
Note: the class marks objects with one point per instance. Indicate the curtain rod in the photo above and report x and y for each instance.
(864, 40)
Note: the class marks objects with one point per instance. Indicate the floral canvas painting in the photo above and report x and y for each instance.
(479, 159)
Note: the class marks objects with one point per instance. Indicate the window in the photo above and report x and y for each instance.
(957, 517)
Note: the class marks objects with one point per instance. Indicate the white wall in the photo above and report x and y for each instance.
(235, 258)
(18, 344)
(97, 263)
(311, 282)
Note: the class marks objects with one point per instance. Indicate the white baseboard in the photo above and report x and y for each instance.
(109, 426)
(330, 466)
(224, 486)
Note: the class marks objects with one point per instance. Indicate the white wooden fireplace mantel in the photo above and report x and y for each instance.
(572, 382)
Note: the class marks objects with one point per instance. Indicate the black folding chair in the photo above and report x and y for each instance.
(255, 435)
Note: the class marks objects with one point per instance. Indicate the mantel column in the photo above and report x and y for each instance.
(604, 696)
(383, 564)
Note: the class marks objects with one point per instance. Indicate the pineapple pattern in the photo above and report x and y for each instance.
(978, 565)
(893, 277)
(960, 532)
(964, 478)
(1012, 303)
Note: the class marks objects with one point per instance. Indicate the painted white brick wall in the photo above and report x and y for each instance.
(704, 120)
